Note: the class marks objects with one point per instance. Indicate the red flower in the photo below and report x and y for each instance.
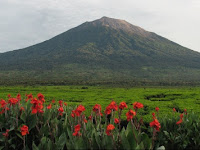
(73, 113)
(154, 116)
(13, 101)
(29, 96)
(174, 109)
(37, 106)
(155, 124)
(122, 105)
(97, 109)
(60, 103)
(130, 114)
(179, 122)
(181, 116)
(53, 101)
(65, 103)
(137, 105)
(76, 130)
(113, 106)
(9, 95)
(24, 130)
(6, 134)
(61, 110)
(108, 110)
(41, 97)
(19, 96)
(116, 121)
(34, 111)
(22, 109)
(34, 101)
(79, 110)
(185, 111)
(3, 103)
(181, 119)
(76, 134)
(109, 128)
(49, 106)
(90, 117)
(85, 120)
(157, 109)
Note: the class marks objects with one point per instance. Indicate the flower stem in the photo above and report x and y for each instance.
(24, 143)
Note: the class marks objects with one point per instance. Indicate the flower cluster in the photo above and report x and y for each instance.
(111, 107)
(60, 109)
(24, 130)
(77, 130)
(155, 123)
(137, 105)
(130, 114)
(122, 105)
(109, 129)
(37, 106)
(78, 111)
(97, 109)
(54, 122)
(3, 106)
(181, 119)
(6, 134)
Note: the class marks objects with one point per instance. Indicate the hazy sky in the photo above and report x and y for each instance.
(27, 22)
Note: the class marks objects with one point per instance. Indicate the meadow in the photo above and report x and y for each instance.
(99, 117)
(166, 98)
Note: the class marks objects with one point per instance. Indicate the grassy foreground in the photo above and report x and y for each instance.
(165, 98)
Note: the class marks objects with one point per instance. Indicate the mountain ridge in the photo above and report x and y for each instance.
(103, 50)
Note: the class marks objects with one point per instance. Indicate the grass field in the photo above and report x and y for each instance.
(163, 97)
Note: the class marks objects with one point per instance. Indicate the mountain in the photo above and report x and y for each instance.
(103, 51)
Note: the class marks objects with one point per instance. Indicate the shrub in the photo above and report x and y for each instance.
(30, 124)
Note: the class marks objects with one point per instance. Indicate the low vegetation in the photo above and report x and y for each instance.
(165, 98)
(33, 123)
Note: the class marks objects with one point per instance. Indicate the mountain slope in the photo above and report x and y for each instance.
(104, 50)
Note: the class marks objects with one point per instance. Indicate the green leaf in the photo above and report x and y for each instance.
(131, 140)
(166, 133)
(23, 117)
(95, 144)
(13, 146)
(50, 145)
(32, 122)
(12, 128)
(69, 132)
(61, 141)
(124, 140)
(80, 144)
(129, 128)
(1, 147)
(19, 135)
(34, 147)
(146, 141)
(43, 140)
(108, 143)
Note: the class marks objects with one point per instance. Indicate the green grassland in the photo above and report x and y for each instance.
(163, 97)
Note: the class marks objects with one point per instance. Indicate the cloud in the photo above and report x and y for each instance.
(24, 23)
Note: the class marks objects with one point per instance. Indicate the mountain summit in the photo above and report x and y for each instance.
(119, 25)
(102, 51)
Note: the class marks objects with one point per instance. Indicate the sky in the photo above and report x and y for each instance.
(27, 22)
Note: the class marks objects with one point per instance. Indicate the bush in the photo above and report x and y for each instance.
(180, 133)
(30, 124)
